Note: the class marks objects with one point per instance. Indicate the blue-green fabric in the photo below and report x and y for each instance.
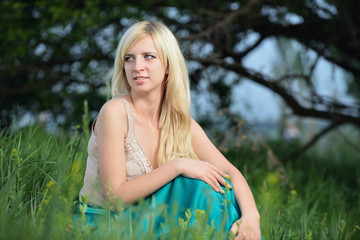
(175, 198)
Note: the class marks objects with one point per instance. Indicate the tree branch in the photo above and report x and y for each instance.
(226, 20)
(297, 108)
(304, 148)
(348, 141)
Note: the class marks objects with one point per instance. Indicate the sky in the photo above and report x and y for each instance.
(257, 104)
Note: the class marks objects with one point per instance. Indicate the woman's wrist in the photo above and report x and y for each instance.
(252, 215)
(178, 165)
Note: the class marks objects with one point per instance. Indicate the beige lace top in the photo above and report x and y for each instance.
(136, 162)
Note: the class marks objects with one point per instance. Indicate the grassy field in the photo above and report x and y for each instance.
(316, 197)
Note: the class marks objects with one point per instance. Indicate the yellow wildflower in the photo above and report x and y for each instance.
(14, 152)
(50, 184)
(272, 179)
(201, 212)
(293, 193)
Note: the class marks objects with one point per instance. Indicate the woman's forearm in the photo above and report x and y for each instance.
(243, 194)
(133, 190)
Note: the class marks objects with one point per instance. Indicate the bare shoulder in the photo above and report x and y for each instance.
(114, 105)
(198, 135)
(112, 115)
(195, 127)
(113, 108)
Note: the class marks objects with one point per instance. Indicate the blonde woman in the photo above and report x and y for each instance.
(144, 143)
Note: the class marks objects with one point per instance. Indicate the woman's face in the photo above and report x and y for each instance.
(143, 68)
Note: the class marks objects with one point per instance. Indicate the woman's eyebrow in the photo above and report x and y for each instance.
(144, 53)
(149, 53)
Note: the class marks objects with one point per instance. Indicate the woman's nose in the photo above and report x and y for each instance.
(139, 64)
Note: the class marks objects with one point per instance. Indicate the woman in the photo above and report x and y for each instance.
(145, 140)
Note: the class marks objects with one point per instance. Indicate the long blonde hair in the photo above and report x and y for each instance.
(175, 119)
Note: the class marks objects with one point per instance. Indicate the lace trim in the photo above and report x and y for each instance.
(132, 147)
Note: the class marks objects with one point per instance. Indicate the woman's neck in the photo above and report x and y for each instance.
(148, 108)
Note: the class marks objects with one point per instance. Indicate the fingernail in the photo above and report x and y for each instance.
(228, 177)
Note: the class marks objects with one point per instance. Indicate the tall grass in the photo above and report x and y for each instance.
(41, 174)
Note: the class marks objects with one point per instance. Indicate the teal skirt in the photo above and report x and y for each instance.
(183, 206)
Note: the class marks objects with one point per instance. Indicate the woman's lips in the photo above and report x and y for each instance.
(140, 79)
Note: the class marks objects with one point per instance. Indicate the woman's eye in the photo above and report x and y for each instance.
(147, 56)
(128, 58)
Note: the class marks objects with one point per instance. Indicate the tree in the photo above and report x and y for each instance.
(54, 55)
(336, 40)
(326, 29)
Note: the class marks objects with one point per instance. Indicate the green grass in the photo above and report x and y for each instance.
(41, 174)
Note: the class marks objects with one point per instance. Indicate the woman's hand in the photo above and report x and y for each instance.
(246, 229)
(203, 171)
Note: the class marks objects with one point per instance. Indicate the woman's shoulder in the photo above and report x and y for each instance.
(114, 106)
(195, 125)
(112, 112)
(197, 132)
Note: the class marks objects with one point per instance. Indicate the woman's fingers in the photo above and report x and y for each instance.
(215, 182)
(242, 230)
(206, 172)
(235, 227)
(222, 173)
(216, 176)
(219, 171)
(240, 236)
(211, 183)
(220, 178)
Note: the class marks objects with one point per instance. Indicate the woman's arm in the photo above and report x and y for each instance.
(111, 128)
(206, 151)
